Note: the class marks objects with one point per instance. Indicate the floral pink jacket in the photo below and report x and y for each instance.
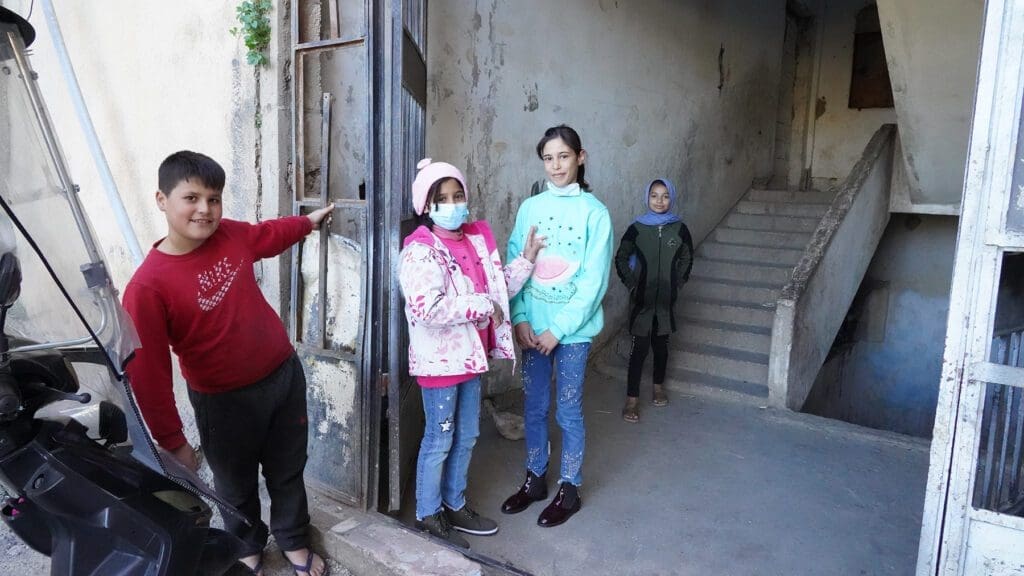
(444, 312)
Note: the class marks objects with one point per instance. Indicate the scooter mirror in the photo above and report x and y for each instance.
(113, 426)
(10, 279)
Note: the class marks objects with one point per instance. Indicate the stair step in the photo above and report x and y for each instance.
(737, 270)
(767, 222)
(692, 378)
(684, 381)
(748, 253)
(721, 362)
(730, 336)
(747, 293)
(781, 209)
(762, 237)
(729, 312)
(799, 197)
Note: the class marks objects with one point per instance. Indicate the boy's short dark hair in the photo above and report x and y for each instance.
(187, 165)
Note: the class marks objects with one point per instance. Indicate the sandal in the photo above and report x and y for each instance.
(630, 412)
(660, 398)
(306, 569)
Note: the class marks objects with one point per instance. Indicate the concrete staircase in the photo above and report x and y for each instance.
(726, 310)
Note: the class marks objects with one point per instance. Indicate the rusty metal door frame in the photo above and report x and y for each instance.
(335, 475)
(404, 130)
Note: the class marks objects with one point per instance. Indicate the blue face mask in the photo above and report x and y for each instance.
(450, 216)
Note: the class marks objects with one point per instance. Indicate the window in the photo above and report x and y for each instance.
(869, 82)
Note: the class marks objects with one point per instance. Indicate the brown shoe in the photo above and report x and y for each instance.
(660, 398)
(566, 503)
(533, 490)
(630, 413)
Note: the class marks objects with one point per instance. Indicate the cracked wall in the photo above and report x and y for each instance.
(682, 89)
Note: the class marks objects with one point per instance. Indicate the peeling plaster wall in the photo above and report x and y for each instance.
(932, 48)
(840, 133)
(156, 78)
(884, 372)
(685, 89)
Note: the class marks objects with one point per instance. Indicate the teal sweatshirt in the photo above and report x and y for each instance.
(571, 274)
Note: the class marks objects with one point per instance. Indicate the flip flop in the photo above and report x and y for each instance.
(299, 568)
(630, 413)
(660, 397)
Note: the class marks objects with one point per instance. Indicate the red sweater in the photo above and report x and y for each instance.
(208, 308)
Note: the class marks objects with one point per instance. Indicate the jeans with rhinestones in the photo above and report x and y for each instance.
(570, 362)
(452, 418)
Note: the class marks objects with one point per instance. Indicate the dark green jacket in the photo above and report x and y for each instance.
(664, 257)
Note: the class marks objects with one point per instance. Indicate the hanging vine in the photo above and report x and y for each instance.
(255, 29)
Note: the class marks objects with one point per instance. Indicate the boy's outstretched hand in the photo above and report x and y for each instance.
(318, 216)
(534, 244)
(186, 454)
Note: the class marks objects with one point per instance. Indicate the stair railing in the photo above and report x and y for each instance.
(811, 307)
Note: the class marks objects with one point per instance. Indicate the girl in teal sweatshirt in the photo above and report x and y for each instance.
(556, 315)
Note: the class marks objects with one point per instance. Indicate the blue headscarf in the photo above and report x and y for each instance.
(652, 218)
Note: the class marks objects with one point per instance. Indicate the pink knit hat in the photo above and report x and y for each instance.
(430, 172)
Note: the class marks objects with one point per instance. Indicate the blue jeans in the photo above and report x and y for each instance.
(453, 423)
(571, 360)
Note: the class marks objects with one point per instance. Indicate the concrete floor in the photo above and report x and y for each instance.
(711, 485)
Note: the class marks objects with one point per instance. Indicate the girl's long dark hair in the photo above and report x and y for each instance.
(570, 137)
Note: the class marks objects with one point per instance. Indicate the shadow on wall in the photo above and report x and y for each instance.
(884, 367)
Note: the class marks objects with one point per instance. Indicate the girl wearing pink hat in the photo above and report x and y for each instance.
(456, 303)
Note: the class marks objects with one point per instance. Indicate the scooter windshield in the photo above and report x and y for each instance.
(67, 299)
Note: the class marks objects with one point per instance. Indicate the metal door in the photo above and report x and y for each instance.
(974, 510)
(334, 161)
(405, 93)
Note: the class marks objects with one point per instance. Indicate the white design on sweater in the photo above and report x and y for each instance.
(215, 282)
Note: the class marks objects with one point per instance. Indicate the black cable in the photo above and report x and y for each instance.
(30, 8)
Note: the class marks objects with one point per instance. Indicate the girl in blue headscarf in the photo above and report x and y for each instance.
(653, 261)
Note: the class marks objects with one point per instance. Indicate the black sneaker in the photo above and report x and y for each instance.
(438, 525)
(468, 521)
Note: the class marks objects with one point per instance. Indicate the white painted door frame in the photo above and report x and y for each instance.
(957, 538)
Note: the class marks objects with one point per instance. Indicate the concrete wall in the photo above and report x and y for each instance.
(840, 133)
(932, 48)
(685, 89)
(884, 369)
(163, 78)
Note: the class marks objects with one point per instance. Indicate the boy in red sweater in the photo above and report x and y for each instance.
(196, 293)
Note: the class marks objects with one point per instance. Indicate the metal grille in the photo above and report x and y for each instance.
(414, 17)
(998, 485)
(414, 120)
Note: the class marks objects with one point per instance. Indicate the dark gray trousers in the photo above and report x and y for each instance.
(262, 424)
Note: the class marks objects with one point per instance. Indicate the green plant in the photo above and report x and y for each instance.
(255, 29)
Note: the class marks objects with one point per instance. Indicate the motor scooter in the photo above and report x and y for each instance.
(84, 483)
